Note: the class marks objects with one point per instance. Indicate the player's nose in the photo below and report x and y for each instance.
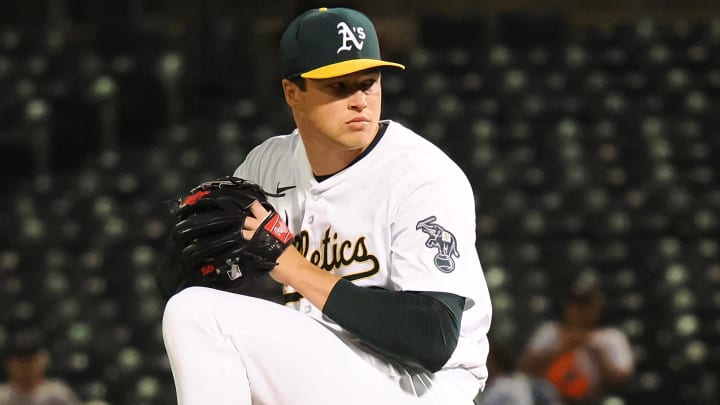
(358, 101)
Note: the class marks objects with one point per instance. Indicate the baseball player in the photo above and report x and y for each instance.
(386, 298)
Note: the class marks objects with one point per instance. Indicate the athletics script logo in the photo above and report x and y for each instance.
(349, 38)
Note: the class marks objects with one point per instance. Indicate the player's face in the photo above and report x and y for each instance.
(340, 113)
(585, 315)
(27, 368)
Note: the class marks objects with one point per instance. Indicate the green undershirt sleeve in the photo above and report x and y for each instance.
(416, 328)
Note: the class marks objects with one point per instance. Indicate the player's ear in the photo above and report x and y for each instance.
(291, 91)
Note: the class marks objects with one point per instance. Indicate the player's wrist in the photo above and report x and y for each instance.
(310, 281)
(288, 260)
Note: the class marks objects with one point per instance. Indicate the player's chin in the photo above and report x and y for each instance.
(357, 139)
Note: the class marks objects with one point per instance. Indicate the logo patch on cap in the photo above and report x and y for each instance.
(310, 49)
(348, 36)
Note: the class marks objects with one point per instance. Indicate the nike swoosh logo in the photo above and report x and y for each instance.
(280, 190)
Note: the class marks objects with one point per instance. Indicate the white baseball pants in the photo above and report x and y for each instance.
(227, 348)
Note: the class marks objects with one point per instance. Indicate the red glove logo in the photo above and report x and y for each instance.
(277, 228)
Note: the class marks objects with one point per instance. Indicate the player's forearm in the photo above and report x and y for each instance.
(409, 326)
(417, 328)
(310, 281)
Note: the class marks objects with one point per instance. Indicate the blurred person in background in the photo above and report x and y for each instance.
(507, 385)
(26, 364)
(582, 359)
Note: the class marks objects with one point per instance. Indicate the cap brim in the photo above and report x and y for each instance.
(347, 67)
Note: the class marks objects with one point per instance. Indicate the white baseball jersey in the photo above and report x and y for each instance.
(401, 218)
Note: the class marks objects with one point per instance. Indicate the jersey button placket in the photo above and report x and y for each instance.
(310, 218)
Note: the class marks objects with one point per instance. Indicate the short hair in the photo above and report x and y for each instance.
(586, 296)
(299, 81)
(25, 343)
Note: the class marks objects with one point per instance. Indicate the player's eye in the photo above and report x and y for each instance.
(367, 84)
(339, 87)
(344, 88)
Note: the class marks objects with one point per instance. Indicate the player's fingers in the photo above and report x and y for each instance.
(251, 224)
(258, 211)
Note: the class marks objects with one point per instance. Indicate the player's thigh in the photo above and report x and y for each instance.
(287, 355)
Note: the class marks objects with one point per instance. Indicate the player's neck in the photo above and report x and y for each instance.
(327, 158)
(326, 161)
(27, 385)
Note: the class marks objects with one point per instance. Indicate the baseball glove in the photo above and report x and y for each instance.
(209, 247)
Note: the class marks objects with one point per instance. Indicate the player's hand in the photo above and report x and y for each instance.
(221, 241)
(252, 223)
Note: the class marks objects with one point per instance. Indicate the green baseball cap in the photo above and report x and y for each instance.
(330, 42)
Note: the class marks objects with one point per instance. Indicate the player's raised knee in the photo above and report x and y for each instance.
(184, 305)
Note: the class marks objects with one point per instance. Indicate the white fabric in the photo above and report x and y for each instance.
(401, 218)
(51, 392)
(238, 357)
(512, 389)
(373, 209)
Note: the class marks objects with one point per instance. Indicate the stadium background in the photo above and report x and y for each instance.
(589, 129)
